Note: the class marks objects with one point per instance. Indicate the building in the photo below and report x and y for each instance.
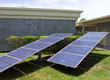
(34, 21)
(101, 24)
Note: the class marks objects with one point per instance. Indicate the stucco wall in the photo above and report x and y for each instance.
(24, 27)
(87, 29)
(105, 27)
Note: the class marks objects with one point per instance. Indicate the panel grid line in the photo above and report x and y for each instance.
(64, 48)
(89, 40)
(80, 46)
(90, 50)
(43, 42)
(8, 66)
(72, 44)
(31, 49)
(13, 57)
(18, 55)
(55, 37)
(72, 53)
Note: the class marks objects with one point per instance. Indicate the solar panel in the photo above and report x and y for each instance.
(98, 34)
(90, 38)
(75, 52)
(59, 35)
(84, 43)
(34, 45)
(22, 53)
(66, 59)
(50, 39)
(19, 54)
(6, 62)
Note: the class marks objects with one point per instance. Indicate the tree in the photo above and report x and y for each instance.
(82, 19)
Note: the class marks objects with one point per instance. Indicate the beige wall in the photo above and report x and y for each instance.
(99, 27)
(105, 27)
(88, 28)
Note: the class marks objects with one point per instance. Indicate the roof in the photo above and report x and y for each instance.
(40, 9)
(14, 12)
(96, 20)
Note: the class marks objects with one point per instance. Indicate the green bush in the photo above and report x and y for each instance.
(17, 42)
(29, 39)
(80, 33)
(42, 37)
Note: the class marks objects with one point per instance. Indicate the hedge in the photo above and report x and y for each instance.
(17, 41)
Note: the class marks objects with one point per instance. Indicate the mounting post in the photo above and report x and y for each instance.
(39, 57)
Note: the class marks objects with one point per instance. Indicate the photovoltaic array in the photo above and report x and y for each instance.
(75, 52)
(15, 56)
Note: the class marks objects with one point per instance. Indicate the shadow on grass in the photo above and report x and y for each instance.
(28, 68)
(22, 69)
(91, 60)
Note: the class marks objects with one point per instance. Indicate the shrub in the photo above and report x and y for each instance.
(17, 41)
(80, 33)
(42, 37)
(29, 39)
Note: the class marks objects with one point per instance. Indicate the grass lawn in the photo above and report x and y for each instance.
(96, 66)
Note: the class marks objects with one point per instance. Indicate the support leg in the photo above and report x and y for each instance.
(39, 57)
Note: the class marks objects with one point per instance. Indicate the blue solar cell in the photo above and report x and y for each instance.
(96, 34)
(60, 35)
(73, 54)
(76, 50)
(1, 68)
(37, 45)
(90, 38)
(50, 40)
(66, 59)
(22, 53)
(3, 65)
(84, 43)
(6, 61)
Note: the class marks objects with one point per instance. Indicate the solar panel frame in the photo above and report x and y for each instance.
(63, 53)
(34, 45)
(91, 49)
(93, 34)
(57, 35)
(82, 43)
(90, 38)
(12, 58)
(50, 39)
(3, 69)
(50, 43)
(83, 56)
(80, 50)
(66, 35)
(18, 54)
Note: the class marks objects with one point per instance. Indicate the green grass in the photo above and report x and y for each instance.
(95, 67)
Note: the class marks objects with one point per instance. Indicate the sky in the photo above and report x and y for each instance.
(91, 8)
